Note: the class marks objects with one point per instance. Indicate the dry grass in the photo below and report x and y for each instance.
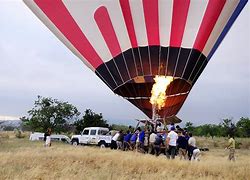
(21, 159)
(221, 142)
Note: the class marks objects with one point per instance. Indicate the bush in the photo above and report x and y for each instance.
(19, 133)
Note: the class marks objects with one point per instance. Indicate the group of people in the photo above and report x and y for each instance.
(171, 142)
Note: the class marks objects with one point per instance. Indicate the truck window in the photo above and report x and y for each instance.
(93, 132)
(86, 132)
(102, 132)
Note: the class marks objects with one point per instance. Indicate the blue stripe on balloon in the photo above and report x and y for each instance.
(235, 14)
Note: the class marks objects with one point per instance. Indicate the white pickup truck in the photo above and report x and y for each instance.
(99, 136)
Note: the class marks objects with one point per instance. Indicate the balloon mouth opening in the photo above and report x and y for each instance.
(144, 86)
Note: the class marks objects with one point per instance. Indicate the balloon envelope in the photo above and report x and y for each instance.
(128, 42)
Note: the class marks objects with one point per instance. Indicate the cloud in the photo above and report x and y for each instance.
(5, 118)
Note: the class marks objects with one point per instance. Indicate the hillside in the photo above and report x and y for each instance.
(9, 124)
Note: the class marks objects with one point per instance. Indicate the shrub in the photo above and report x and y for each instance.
(19, 133)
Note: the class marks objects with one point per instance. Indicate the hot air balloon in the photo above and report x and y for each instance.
(129, 42)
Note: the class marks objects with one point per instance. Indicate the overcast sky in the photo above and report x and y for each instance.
(34, 62)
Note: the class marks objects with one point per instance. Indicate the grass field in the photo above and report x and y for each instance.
(22, 159)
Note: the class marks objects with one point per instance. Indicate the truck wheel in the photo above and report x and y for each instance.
(75, 143)
(102, 145)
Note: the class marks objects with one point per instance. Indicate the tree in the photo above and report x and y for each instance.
(8, 128)
(119, 127)
(50, 113)
(207, 130)
(243, 127)
(90, 119)
(189, 126)
(228, 127)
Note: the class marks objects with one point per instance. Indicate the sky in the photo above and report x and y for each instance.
(34, 62)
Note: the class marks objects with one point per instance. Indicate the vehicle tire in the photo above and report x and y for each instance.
(102, 145)
(75, 143)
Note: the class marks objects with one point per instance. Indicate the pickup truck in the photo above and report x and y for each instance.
(99, 136)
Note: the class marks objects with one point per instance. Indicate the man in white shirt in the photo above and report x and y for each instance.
(196, 155)
(191, 145)
(113, 144)
(171, 143)
(152, 138)
(191, 141)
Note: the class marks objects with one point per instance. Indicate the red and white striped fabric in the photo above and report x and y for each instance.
(127, 42)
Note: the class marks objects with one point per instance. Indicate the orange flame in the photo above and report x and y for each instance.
(158, 91)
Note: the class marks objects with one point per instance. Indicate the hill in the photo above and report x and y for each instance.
(9, 124)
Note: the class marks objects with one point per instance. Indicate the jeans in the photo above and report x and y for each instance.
(171, 152)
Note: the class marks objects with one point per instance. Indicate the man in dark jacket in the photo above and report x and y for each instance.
(120, 140)
(157, 145)
(182, 143)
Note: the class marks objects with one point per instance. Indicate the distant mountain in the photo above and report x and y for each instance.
(9, 124)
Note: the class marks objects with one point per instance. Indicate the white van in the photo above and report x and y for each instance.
(54, 137)
(36, 136)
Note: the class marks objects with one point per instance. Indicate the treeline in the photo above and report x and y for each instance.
(240, 128)
(63, 117)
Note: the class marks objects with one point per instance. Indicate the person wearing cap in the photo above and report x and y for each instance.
(171, 143)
